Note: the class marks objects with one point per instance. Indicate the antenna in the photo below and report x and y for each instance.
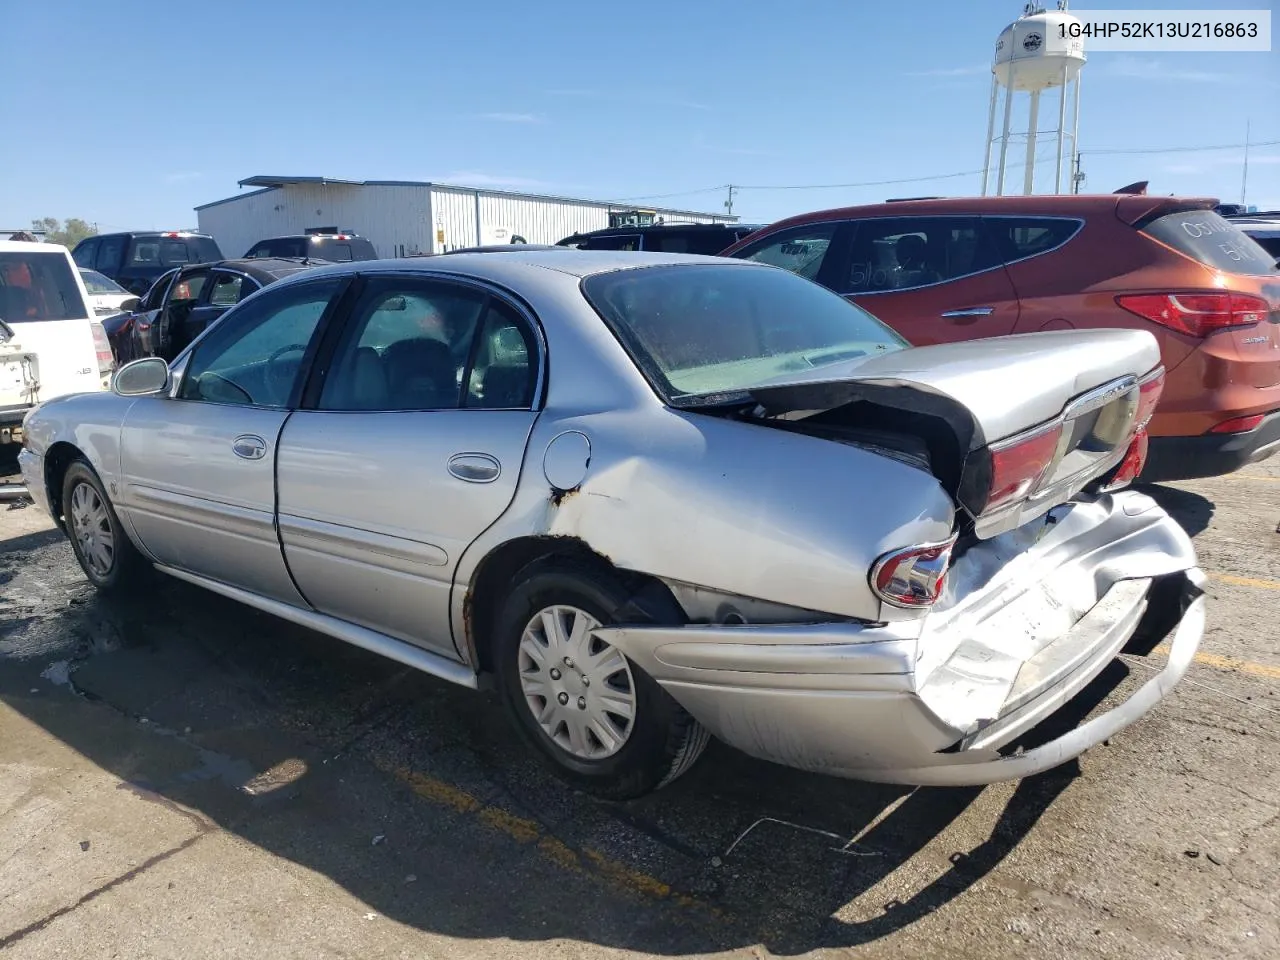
(1244, 177)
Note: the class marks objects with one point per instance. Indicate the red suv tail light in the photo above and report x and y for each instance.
(1197, 314)
(912, 577)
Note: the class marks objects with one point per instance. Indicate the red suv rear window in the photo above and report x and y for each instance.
(1208, 238)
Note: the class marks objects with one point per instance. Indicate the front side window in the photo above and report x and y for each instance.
(253, 357)
(155, 296)
(407, 347)
(800, 249)
(899, 253)
(699, 330)
(38, 286)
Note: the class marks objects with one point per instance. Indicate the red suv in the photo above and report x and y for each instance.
(941, 270)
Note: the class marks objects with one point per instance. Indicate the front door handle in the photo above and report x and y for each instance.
(475, 467)
(970, 312)
(249, 447)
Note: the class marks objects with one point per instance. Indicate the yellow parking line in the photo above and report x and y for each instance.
(1233, 664)
(530, 832)
(1246, 581)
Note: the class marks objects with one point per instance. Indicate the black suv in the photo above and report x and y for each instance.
(335, 247)
(135, 260)
(704, 238)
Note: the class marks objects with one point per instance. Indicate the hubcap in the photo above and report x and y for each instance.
(92, 529)
(586, 702)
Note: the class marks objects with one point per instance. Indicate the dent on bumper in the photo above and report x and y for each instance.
(846, 698)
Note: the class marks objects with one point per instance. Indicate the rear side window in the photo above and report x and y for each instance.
(630, 241)
(1269, 244)
(1207, 238)
(38, 286)
(900, 253)
(278, 248)
(1022, 237)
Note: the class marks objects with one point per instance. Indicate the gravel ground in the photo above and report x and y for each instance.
(181, 776)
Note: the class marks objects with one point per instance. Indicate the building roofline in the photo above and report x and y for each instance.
(267, 183)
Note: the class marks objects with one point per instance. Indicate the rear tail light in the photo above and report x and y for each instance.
(912, 577)
(1131, 466)
(106, 359)
(1239, 424)
(1197, 314)
(1149, 391)
(1018, 466)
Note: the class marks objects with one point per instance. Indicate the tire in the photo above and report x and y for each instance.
(657, 744)
(106, 554)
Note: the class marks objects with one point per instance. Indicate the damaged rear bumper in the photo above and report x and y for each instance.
(1030, 619)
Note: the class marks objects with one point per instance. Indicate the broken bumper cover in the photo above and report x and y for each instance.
(931, 702)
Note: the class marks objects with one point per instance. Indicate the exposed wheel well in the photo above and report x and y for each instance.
(651, 600)
(56, 461)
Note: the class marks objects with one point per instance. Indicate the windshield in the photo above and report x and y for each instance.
(38, 286)
(97, 284)
(702, 330)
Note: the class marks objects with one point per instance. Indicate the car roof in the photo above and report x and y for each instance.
(509, 268)
(1045, 205)
(26, 246)
(265, 269)
(158, 234)
(667, 228)
(311, 236)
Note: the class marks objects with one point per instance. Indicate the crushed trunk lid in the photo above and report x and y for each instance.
(1075, 396)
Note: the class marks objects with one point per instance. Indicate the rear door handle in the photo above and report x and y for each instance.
(969, 312)
(475, 467)
(249, 447)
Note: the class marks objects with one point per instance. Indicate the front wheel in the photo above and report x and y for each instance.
(106, 554)
(604, 725)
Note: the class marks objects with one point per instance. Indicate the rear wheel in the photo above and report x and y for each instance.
(604, 724)
(106, 554)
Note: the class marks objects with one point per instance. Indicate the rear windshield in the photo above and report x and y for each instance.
(279, 248)
(38, 286)
(1213, 241)
(98, 285)
(163, 252)
(702, 330)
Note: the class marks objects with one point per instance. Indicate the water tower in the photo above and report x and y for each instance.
(1035, 53)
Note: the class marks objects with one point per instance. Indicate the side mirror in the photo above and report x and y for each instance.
(141, 378)
(130, 305)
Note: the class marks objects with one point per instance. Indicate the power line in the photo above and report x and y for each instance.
(1107, 151)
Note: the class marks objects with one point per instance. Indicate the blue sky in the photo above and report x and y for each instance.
(139, 111)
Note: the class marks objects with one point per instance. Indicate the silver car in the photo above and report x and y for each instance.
(653, 498)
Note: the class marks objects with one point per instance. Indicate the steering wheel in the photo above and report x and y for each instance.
(279, 376)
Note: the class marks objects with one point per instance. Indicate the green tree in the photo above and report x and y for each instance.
(68, 232)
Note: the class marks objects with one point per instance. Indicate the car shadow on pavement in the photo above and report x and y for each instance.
(1193, 511)
(414, 797)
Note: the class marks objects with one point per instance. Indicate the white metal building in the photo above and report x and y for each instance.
(402, 217)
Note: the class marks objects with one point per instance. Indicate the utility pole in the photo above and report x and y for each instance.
(1077, 177)
(1244, 177)
(728, 204)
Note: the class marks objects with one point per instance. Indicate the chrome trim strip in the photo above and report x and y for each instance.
(362, 637)
(227, 518)
(356, 544)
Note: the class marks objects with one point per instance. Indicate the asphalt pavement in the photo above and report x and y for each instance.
(181, 776)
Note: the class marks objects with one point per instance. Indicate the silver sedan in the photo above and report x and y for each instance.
(652, 499)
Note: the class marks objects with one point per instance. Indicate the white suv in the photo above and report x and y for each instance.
(50, 345)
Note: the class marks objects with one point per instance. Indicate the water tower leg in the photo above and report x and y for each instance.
(1062, 132)
(1075, 126)
(991, 129)
(1029, 176)
(1004, 139)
